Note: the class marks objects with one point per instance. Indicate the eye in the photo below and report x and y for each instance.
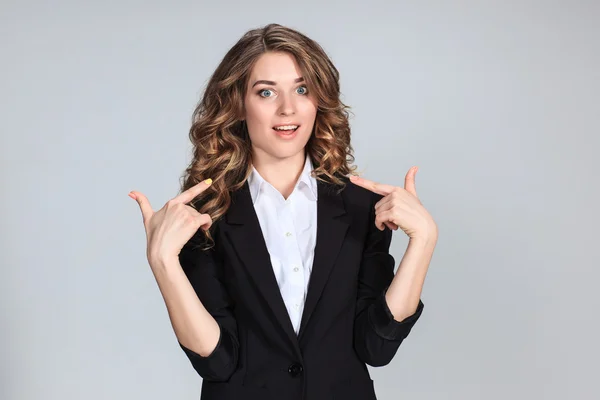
(305, 89)
(260, 92)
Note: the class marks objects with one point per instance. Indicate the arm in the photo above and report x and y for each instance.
(377, 334)
(199, 310)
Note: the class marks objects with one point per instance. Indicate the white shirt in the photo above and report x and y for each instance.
(289, 228)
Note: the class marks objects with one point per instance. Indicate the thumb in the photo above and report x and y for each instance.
(144, 204)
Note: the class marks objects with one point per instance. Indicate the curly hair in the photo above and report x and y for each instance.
(221, 144)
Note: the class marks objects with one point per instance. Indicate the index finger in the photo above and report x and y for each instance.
(375, 187)
(191, 193)
(409, 181)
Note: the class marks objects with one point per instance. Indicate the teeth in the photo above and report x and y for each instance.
(287, 127)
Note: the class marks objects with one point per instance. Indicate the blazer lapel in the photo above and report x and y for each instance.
(332, 225)
(248, 241)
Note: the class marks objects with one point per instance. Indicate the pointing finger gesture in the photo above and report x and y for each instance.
(168, 229)
(400, 207)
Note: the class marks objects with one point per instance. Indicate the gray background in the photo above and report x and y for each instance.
(497, 102)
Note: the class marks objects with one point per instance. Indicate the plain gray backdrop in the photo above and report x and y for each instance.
(497, 102)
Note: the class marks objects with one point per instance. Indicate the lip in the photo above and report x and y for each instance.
(291, 123)
(285, 135)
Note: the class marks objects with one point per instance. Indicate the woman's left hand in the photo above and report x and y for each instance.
(401, 207)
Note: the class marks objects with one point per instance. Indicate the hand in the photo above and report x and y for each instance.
(171, 227)
(400, 207)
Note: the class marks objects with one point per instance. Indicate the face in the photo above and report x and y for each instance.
(277, 96)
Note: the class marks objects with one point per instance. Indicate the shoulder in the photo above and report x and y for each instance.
(358, 195)
(355, 200)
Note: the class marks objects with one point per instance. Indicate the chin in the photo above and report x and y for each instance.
(286, 153)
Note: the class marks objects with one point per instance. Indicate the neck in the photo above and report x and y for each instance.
(282, 173)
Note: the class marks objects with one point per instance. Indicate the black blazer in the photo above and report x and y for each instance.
(345, 324)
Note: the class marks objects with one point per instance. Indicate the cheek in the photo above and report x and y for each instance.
(308, 107)
(256, 132)
(258, 119)
(258, 128)
(307, 111)
(254, 114)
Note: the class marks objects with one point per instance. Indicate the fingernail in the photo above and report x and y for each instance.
(132, 195)
(208, 181)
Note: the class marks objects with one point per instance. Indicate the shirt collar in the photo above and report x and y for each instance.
(256, 181)
(308, 180)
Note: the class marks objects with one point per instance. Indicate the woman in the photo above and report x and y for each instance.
(273, 264)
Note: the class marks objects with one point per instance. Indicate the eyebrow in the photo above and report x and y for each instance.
(273, 83)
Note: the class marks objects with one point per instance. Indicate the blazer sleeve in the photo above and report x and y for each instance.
(377, 335)
(203, 270)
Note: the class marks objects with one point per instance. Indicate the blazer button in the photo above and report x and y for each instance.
(295, 369)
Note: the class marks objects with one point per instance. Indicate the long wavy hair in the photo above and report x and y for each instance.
(221, 144)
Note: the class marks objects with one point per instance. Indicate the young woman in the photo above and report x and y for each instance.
(274, 264)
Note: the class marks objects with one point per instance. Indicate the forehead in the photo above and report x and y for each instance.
(279, 67)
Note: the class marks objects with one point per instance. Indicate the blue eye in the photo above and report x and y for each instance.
(261, 92)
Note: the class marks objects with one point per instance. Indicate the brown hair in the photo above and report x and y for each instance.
(221, 145)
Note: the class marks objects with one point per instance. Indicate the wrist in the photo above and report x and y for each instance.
(162, 262)
(428, 235)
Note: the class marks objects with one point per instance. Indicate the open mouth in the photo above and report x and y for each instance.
(286, 130)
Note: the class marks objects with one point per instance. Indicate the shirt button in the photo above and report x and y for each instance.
(296, 269)
(288, 234)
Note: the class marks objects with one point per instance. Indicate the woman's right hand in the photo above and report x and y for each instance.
(171, 227)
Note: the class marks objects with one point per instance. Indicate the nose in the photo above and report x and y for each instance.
(287, 105)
